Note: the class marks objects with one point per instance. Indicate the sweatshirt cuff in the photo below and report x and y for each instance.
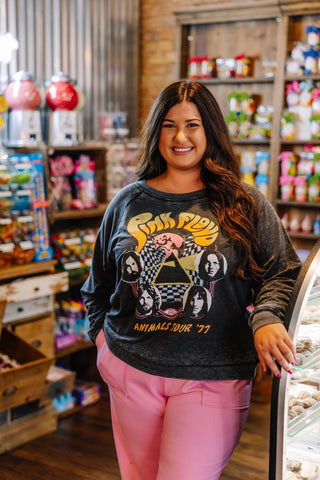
(261, 318)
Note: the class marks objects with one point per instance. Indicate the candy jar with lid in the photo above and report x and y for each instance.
(23, 98)
(306, 88)
(234, 103)
(194, 67)
(301, 191)
(247, 103)
(311, 62)
(22, 93)
(315, 126)
(62, 99)
(242, 66)
(306, 223)
(288, 125)
(314, 188)
(295, 63)
(263, 162)
(295, 223)
(313, 35)
(208, 66)
(292, 94)
(61, 94)
(288, 163)
(262, 183)
(305, 166)
(285, 221)
(286, 187)
(248, 166)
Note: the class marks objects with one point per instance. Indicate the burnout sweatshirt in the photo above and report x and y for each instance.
(161, 285)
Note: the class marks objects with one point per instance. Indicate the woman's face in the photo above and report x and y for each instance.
(196, 303)
(211, 265)
(182, 141)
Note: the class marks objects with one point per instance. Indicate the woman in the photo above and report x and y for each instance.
(180, 388)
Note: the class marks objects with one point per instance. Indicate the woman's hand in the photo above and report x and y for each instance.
(273, 344)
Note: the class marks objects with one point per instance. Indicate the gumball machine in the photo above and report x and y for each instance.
(23, 99)
(62, 99)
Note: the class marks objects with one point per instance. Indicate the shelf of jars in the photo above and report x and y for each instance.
(33, 268)
(235, 80)
(295, 204)
(70, 214)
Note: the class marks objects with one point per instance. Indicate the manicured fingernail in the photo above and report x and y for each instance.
(264, 371)
(279, 376)
(290, 371)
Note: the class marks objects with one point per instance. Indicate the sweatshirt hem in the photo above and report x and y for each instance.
(237, 371)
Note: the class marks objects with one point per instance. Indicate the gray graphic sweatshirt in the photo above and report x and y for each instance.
(162, 290)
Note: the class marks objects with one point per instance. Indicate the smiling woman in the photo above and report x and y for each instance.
(174, 265)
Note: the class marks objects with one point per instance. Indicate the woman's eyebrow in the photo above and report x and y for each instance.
(186, 121)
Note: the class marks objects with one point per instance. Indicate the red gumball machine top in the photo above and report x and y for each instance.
(22, 93)
(61, 94)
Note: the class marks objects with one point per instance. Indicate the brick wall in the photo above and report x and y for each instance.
(158, 46)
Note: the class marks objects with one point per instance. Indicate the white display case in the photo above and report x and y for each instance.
(295, 404)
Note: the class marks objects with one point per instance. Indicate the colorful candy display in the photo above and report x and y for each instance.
(255, 166)
(300, 175)
(23, 218)
(73, 182)
(246, 120)
(73, 250)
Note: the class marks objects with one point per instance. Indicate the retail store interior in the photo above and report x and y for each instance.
(77, 80)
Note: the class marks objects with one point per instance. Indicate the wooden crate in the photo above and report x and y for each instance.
(27, 309)
(38, 333)
(62, 385)
(27, 382)
(27, 428)
(34, 287)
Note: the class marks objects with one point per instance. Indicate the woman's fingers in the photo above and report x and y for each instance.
(275, 347)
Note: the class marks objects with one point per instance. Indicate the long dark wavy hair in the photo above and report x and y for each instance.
(220, 172)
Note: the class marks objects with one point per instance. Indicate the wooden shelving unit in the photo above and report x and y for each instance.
(264, 29)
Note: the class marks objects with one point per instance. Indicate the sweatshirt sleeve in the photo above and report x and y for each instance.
(281, 264)
(99, 285)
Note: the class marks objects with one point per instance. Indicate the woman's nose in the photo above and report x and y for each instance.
(180, 137)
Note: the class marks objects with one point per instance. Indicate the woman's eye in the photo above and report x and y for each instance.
(168, 125)
(193, 125)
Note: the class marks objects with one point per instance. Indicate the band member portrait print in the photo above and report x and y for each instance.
(131, 266)
(197, 301)
(149, 300)
(212, 266)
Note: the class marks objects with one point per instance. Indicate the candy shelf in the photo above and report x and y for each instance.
(98, 211)
(267, 29)
(239, 81)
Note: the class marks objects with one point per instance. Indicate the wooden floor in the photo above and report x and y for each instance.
(82, 449)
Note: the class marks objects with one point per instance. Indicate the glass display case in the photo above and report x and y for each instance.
(295, 404)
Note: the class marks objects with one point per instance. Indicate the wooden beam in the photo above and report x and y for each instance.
(237, 11)
(228, 12)
(298, 7)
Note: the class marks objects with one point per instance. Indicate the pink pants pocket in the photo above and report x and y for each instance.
(111, 368)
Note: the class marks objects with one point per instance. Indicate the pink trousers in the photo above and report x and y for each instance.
(171, 429)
